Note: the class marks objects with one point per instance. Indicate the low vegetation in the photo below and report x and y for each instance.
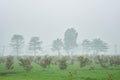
(9, 62)
(25, 62)
(60, 67)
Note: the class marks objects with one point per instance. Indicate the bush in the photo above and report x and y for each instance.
(25, 63)
(45, 61)
(103, 61)
(63, 63)
(115, 60)
(37, 59)
(83, 61)
(91, 68)
(9, 62)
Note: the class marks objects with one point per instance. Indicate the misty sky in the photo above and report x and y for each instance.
(49, 19)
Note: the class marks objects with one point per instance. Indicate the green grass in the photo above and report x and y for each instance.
(54, 73)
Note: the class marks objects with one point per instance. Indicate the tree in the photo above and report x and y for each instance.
(17, 43)
(70, 38)
(57, 45)
(86, 46)
(99, 46)
(35, 44)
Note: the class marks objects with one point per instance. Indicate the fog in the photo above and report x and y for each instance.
(49, 19)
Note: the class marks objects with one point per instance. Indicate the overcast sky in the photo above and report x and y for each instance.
(49, 19)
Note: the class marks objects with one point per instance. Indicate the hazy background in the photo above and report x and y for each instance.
(49, 19)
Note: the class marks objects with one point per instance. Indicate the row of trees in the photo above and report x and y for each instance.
(62, 62)
(17, 43)
(96, 45)
(68, 44)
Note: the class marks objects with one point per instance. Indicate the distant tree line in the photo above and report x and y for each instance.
(68, 43)
(96, 45)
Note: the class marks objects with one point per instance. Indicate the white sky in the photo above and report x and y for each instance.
(50, 18)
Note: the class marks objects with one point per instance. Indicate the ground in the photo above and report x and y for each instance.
(73, 72)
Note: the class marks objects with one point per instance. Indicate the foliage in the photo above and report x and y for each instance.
(115, 60)
(17, 43)
(9, 62)
(25, 62)
(57, 45)
(72, 72)
(35, 44)
(98, 45)
(45, 62)
(91, 68)
(86, 46)
(83, 61)
(63, 63)
(103, 61)
(70, 39)
(37, 59)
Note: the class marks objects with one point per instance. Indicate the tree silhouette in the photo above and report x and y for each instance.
(99, 46)
(35, 45)
(70, 38)
(17, 43)
(57, 45)
(86, 46)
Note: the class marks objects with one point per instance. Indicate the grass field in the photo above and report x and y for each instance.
(73, 72)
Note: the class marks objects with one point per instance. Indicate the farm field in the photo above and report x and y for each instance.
(59, 40)
(72, 72)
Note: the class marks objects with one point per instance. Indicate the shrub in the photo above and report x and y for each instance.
(25, 63)
(91, 68)
(63, 63)
(45, 61)
(83, 61)
(37, 59)
(103, 61)
(115, 60)
(9, 62)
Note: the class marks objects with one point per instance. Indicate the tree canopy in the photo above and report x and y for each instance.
(35, 44)
(86, 46)
(70, 39)
(57, 45)
(17, 43)
(99, 46)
